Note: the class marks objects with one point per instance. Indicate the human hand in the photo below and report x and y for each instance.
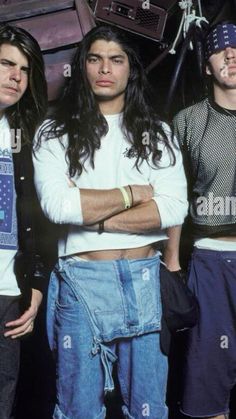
(25, 323)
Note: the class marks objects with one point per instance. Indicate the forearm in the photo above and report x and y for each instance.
(171, 248)
(36, 299)
(140, 219)
(67, 203)
(100, 204)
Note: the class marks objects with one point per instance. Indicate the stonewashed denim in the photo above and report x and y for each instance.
(101, 312)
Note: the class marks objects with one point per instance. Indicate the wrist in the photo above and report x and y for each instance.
(36, 298)
(127, 197)
(171, 261)
(129, 191)
(172, 265)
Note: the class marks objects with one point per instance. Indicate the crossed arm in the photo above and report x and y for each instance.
(141, 218)
(162, 205)
(155, 207)
(108, 205)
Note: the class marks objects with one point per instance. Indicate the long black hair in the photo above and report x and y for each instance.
(29, 112)
(77, 113)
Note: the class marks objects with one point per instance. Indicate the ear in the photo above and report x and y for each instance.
(208, 70)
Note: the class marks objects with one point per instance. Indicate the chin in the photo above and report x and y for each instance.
(104, 98)
(230, 86)
(9, 101)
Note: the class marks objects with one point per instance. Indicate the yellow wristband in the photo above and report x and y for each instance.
(126, 198)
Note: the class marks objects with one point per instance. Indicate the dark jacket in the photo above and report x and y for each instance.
(36, 235)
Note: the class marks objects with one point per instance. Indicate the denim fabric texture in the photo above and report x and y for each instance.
(100, 313)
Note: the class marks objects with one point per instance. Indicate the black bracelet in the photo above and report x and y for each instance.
(132, 196)
(101, 227)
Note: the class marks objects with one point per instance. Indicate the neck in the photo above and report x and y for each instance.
(225, 98)
(111, 107)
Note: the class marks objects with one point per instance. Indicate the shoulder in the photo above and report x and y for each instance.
(191, 111)
(188, 121)
(46, 139)
(44, 129)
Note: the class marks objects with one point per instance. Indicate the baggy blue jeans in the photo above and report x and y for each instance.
(100, 312)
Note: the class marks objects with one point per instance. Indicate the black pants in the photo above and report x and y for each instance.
(9, 356)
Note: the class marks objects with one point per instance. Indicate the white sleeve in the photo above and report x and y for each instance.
(60, 203)
(170, 189)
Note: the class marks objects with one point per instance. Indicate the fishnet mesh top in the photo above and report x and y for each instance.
(207, 134)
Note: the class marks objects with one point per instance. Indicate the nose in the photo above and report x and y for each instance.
(16, 74)
(105, 67)
(229, 53)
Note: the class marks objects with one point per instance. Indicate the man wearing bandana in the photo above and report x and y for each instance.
(207, 132)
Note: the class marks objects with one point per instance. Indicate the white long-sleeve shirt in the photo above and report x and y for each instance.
(113, 169)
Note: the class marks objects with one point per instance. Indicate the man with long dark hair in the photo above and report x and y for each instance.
(207, 133)
(107, 171)
(23, 99)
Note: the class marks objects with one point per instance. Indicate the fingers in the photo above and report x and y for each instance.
(20, 331)
(21, 326)
(28, 315)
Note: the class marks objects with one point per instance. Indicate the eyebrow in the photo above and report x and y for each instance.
(91, 54)
(12, 63)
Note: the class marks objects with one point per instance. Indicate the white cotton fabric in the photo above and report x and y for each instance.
(213, 244)
(113, 169)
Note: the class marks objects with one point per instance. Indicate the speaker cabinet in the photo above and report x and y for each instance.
(146, 18)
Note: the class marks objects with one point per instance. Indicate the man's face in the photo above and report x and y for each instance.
(107, 68)
(14, 69)
(222, 66)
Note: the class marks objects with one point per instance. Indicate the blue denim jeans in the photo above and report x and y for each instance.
(102, 312)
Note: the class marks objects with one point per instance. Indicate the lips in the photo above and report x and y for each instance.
(11, 89)
(232, 67)
(104, 83)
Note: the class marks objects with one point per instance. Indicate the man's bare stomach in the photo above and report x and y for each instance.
(227, 238)
(137, 253)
